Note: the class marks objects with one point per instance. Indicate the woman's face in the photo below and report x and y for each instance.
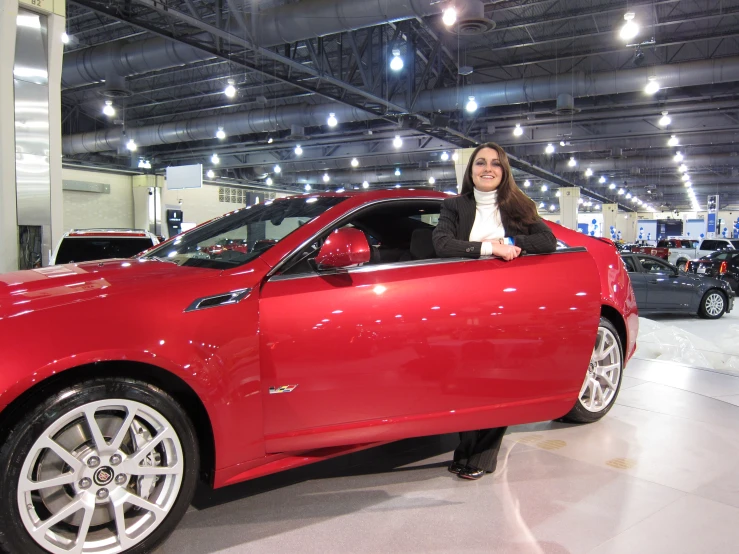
(487, 170)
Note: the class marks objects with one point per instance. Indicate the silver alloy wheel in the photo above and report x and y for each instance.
(714, 304)
(604, 373)
(101, 478)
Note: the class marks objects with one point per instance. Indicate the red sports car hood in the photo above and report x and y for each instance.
(39, 289)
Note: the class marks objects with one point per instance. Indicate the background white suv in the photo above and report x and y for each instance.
(82, 245)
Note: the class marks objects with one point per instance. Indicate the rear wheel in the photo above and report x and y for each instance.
(104, 466)
(713, 305)
(682, 265)
(603, 378)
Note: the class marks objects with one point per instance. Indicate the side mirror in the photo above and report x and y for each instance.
(347, 247)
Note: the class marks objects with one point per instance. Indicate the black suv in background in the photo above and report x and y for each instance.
(722, 265)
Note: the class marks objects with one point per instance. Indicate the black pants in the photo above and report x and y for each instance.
(479, 449)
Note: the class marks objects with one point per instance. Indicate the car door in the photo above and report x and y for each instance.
(666, 290)
(638, 280)
(409, 348)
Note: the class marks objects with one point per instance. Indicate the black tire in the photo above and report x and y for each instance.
(713, 304)
(145, 409)
(681, 264)
(607, 336)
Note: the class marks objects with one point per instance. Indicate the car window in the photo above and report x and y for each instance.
(238, 237)
(629, 263)
(652, 265)
(708, 245)
(83, 249)
(735, 244)
(397, 231)
(718, 255)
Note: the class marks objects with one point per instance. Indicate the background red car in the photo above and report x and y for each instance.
(340, 332)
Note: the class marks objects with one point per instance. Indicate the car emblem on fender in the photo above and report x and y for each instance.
(283, 388)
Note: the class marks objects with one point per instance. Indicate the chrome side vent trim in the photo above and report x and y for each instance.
(218, 300)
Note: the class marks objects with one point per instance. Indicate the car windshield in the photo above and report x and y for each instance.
(83, 249)
(720, 255)
(238, 237)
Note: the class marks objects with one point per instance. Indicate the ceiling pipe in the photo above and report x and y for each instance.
(620, 164)
(492, 94)
(284, 24)
(357, 176)
(366, 162)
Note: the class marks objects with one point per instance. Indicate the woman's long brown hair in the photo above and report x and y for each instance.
(513, 204)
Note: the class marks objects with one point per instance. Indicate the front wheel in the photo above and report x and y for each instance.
(106, 465)
(713, 305)
(603, 378)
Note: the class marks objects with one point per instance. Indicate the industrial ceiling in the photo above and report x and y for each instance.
(320, 75)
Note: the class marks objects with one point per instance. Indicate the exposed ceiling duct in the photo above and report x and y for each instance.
(374, 177)
(286, 24)
(492, 94)
(402, 159)
(627, 164)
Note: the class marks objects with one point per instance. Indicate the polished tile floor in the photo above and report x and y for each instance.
(659, 474)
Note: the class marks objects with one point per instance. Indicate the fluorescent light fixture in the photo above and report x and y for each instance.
(449, 16)
(396, 64)
(630, 29)
(471, 104)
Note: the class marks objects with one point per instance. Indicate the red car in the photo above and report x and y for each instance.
(125, 381)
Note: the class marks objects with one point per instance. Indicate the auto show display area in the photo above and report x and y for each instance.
(658, 474)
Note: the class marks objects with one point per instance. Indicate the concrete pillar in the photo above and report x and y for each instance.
(568, 204)
(38, 203)
(628, 226)
(610, 219)
(460, 164)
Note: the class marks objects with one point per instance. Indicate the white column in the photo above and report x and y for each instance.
(568, 203)
(610, 219)
(460, 165)
(8, 210)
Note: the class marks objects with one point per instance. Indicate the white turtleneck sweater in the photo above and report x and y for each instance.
(488, 224)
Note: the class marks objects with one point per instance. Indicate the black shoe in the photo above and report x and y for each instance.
(455, 468)
(471, 473)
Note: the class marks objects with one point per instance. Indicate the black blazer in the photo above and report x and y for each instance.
(452, 233)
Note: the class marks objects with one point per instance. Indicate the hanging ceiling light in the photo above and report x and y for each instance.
(444, 156)
(365, 184)
(332, 121)
(432, 180)
(131, 145)
(652, 85)
(673, 141)
(620, 192)
(518, 131)
(326, 178)
(144, 164)
(558, 194)
(269, 180)
(455, 157)
(665, 120)
(588, 172)
(108, 109)
(679, 157)
(612, 186)
(396, 64)
(602, 180)
(230, 90)
(65, 38)
(450, 16)
(686, 177)
(354, 162)
(298, 150)
(397, 141)
(552, 208)
(397, 172)
(215, 159)
(630, 29)
(471, 104)
(572, 162)
(549, 149)
(580, 201)
(544, 188)
(270, 140)
(210, 174)
(220, 133)
(277, 168)
(683, 168)
(527, 183)
(628, 195)
(597, 206)
(307, 187)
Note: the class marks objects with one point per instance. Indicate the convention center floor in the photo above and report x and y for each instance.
(659, 474)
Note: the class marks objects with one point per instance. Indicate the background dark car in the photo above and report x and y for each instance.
(659, 287)
(722, 265)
